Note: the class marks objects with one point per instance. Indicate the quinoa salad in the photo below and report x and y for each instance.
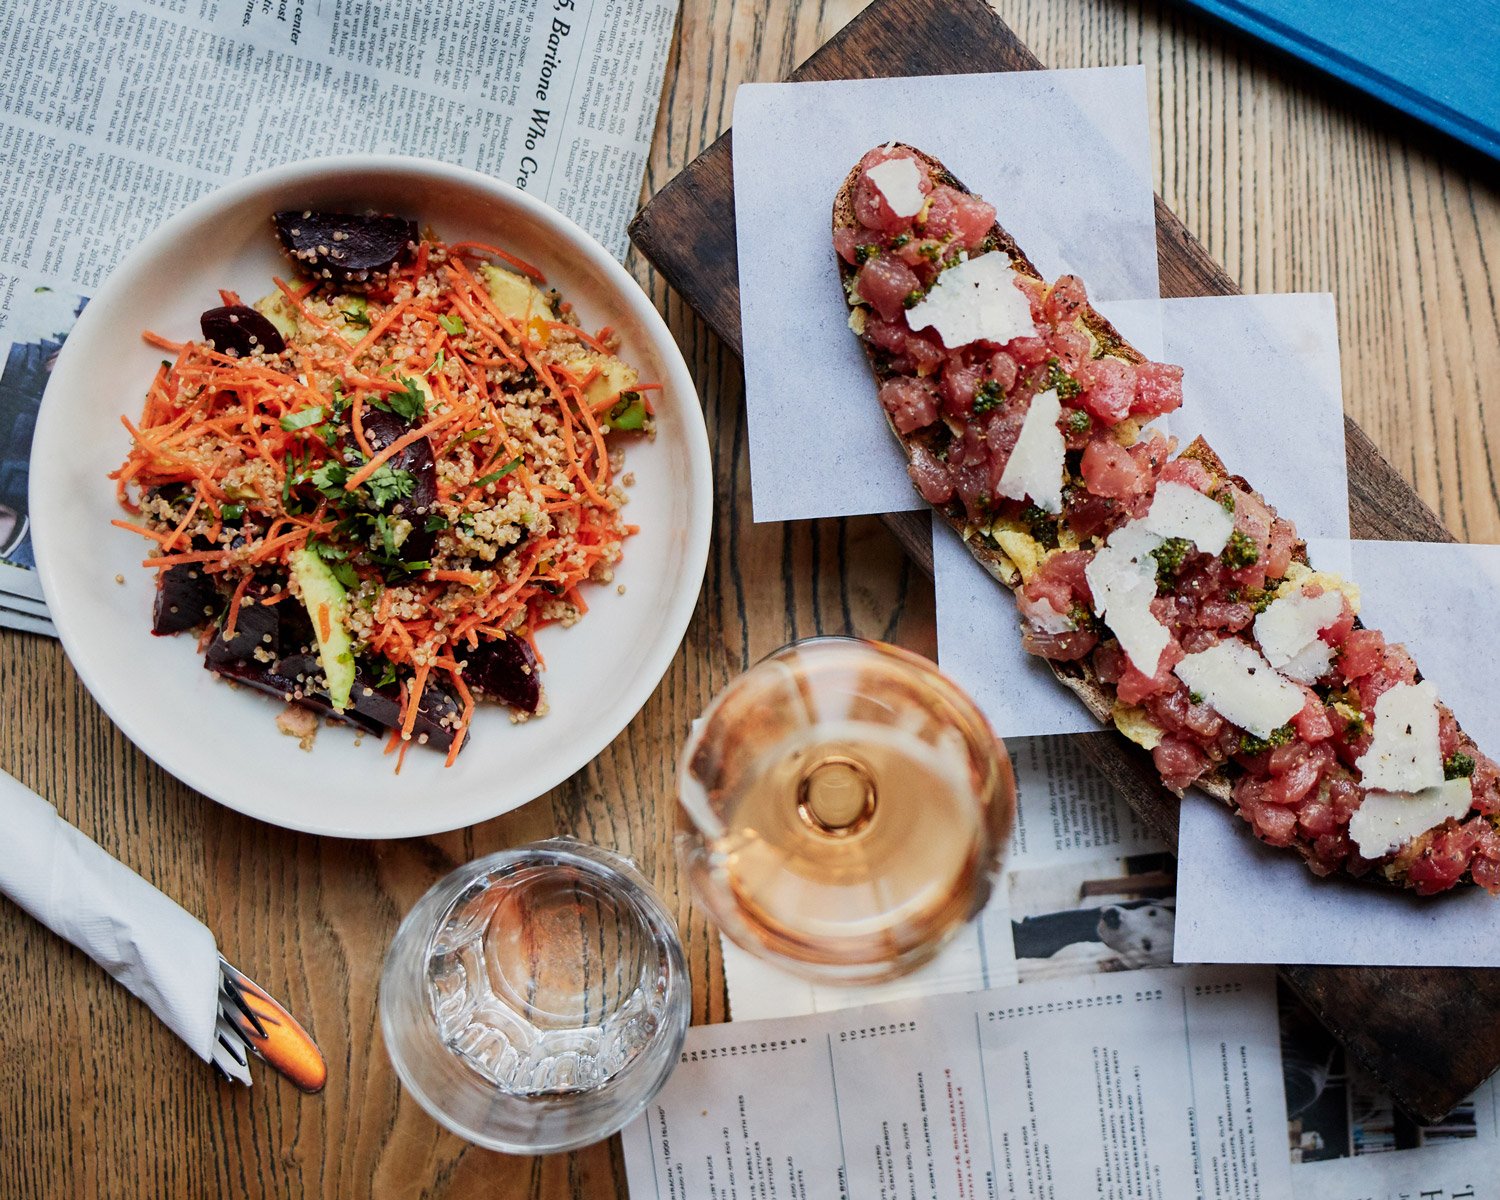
(368, 490)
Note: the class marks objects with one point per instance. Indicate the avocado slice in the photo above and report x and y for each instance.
(321, 590)
(515, 295)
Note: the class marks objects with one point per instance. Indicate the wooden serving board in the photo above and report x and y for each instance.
(1431, 1034)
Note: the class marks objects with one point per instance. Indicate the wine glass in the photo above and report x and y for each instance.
(842, 809)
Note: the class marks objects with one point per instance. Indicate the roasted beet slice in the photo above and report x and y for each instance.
(256, 628)
(186, 597)
(507, 671)
(347, 247)
(382, 706)
(383, 428)
(238, 330)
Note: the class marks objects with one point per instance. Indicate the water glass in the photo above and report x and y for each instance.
(536, 999)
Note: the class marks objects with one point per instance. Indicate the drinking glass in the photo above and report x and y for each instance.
(536, 999)
(842, 809)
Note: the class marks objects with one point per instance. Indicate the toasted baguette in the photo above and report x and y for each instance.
(1079, 676)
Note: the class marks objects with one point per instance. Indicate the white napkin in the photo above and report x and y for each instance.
(148, 942)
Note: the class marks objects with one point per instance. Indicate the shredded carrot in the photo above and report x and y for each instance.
(586, 338)
(161, 343)
(520, 264)
(239, 447)
(235, 604)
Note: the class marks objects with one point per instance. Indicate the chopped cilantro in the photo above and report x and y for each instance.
(435, 523)
(387, 675)
(303, 418)
(1079, 421)
(387, 536)
(344, 572)
(338, 401)
(437, 362)
(452, 324)
(389, 484)
(1241, 550)
(988, 396)
(231, 512)
(327, 551)
(1458, 765)
(411, 402)
(497, 475)
(330, 479)
(1250, 744)
(1170, 556)
(1195, 697)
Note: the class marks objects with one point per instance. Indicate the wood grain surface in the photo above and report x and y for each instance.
(1381, 1014)
(1292, 184)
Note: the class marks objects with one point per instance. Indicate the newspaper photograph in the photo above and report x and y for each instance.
(115, 114)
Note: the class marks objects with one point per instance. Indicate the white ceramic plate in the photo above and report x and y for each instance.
(223, 740)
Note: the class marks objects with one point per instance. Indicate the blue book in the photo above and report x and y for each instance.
(1438, 60)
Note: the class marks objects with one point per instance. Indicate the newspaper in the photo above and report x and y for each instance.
(114, 114)
(1087, 892)
(1164, 1085)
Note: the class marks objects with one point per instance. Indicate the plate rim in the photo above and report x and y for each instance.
(47, 523)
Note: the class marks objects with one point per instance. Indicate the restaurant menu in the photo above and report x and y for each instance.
(1159, 1084)
(114, 114)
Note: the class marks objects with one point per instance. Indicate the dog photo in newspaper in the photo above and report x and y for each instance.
(1111, 914)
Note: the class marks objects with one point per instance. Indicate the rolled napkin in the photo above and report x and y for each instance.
(147, 941)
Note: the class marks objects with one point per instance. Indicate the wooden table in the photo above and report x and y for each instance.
(1293, 183)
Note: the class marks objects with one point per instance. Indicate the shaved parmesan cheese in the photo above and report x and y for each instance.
(1241, 686)
(1310, 663)
(1122, 578)
(1044, 616)
(1288, 633)
(1386, 821)
(899, 180)
(1180, 511)
(976, 300)
(1404, 755)
(1035, 466)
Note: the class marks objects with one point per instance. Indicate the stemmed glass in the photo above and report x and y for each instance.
(842, 809)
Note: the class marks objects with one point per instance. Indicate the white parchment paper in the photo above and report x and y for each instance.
(1065, 156)
(1261, 384)
(1240, 901)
